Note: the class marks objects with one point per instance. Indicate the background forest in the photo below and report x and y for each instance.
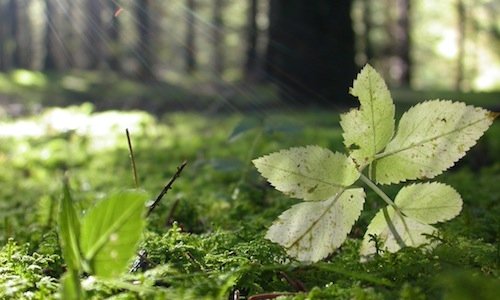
(308, 52)
(219, 83)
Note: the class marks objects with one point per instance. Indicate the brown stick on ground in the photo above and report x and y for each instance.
(166, 188)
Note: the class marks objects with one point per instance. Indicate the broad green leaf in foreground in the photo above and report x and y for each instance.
(394, 232)
(70, 287)
(308, 173)
(69, 230)
(431, 137)
(367, 130)
(111, 231)
(310, 231)
(429, 203)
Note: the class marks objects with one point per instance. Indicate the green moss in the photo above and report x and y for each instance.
(206, 236)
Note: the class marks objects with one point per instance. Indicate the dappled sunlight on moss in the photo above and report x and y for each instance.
(206, 236)
(29, 78)
(104, 129)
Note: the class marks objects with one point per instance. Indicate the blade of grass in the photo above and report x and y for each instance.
(132, 159)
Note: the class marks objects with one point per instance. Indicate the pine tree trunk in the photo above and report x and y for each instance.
(50, 59)
(113, 34)
(252, 33)
(461, 18)
(218, 37)
(402, 63)
(3, 37)
(13, 24)
(93, 34)
(190, 44)
(368, 25)
(144, 47)
(310, 52)
(24, 35)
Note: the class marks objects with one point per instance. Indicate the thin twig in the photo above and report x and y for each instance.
(132, 159)
(296, 284)
(268, 296)
(170, 215)
(166, 188)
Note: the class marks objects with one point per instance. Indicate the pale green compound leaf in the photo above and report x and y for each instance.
(308, 173)
(310, 231)
(430, 138)
(69, 231)
(394, 232)
(429, 203)
(111, 231)
(367, 130)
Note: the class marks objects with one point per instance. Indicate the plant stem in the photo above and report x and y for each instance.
(389, 201)
(379, 192)
(248, 159)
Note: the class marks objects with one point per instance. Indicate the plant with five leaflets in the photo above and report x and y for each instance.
(430, 138)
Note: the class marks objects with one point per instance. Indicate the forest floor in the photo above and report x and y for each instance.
(206, 238)
(25, 92)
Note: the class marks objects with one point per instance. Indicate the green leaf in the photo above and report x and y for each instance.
(111, 231)
(394, 232)
(429, 203)
(310, 231)
(69, 231)
(367, 130)
(243, 127)
(282, 126)
(431, 137)
(309, 173)
(70, 286)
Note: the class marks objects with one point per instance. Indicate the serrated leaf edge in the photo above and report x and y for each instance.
(257, 161)
(490, 115)
(313, 224)
(432, 183)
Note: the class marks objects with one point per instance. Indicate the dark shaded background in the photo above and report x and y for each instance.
(231, 55)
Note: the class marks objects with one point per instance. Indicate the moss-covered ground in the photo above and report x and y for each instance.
(205, 239)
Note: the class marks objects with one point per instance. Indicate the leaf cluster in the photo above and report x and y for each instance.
(430, 138)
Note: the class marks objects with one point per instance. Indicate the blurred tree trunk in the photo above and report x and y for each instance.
(190, 46)
(401, 65)
(14, 34)
(368, 26)
(3, 37)
(311, 50)
(252, 31)
(24, 36)
(51, 41)
(93, 34)
(461, 21)
(113, 35)
(144, 47)
(218, 37)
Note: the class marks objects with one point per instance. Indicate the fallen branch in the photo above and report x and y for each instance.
(166, 188)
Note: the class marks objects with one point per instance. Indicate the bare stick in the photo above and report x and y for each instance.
(171, 212)
(268, 296)
(132, 159)
(166, 188)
